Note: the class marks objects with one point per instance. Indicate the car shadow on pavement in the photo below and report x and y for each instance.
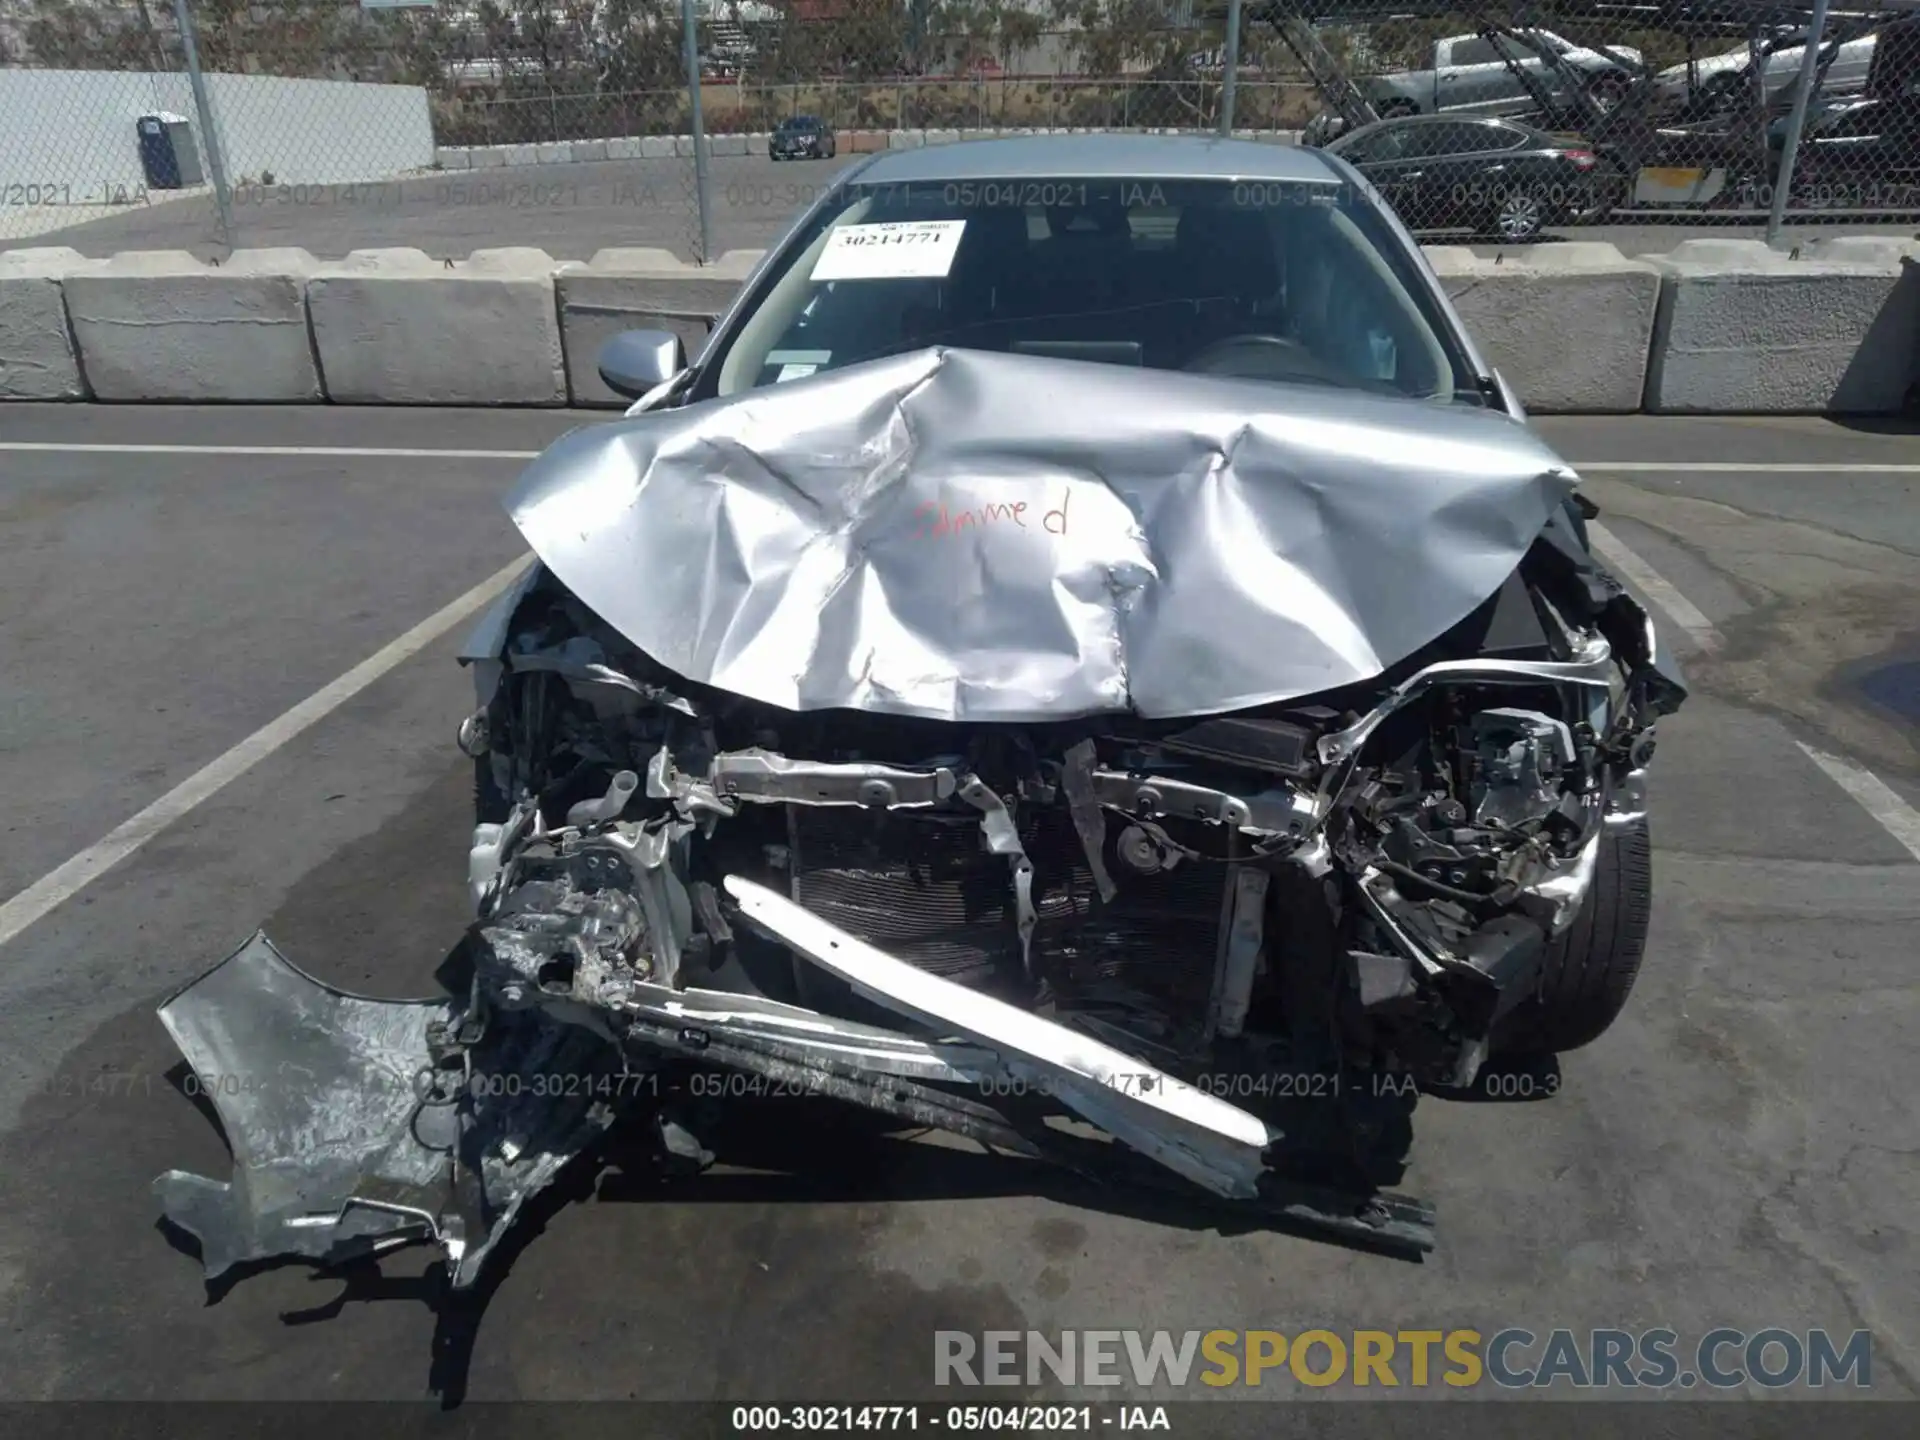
(767, 1153)
(805, 1191)
(1906, 423)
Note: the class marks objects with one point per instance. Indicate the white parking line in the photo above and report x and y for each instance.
(1656, 587)
(1875, 796)
(63, 883)
(362, 452)
(1896, 817)
(376, 452)
(1744, 467)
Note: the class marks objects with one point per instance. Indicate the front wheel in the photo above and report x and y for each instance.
(1521, 216)
(1589, 971)
(1606, 93)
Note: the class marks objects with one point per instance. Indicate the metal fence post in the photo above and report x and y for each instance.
(1229, 67)
(1803, 94)
(216, 163)
(700, 178)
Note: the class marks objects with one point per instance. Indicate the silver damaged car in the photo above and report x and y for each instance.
(1089, 658)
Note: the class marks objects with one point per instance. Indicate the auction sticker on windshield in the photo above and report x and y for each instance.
(896, 250)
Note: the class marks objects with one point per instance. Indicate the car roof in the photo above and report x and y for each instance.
(1145, 157)
(1415, 122)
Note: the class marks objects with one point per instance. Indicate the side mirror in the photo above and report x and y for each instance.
(634, 361)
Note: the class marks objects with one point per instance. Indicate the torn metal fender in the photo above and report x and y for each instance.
(345, 1138)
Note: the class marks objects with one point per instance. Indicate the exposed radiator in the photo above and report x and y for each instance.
(921, 885)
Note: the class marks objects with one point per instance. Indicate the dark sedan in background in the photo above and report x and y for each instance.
(1857, 155)
(801, 136)
(1491, 176)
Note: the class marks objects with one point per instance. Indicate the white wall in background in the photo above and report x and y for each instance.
(72, 131)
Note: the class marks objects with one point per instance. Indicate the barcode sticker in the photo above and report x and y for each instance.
(896, 250)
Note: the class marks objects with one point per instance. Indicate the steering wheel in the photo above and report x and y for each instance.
(1254, 357)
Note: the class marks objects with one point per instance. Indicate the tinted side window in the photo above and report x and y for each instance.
(1386, 145)
(1468, 139)
(1473, 52)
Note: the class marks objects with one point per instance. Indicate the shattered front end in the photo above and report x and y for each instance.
(1140, 874)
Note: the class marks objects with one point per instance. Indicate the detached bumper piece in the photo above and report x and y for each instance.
(360, 1125)
(351, 1136)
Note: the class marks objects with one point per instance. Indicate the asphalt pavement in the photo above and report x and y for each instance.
(572, 211)
(1742, 1149)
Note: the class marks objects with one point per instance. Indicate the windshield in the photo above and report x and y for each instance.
(1265, 280)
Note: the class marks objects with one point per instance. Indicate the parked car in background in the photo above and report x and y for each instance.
(1856, 155)
(1719, 82)
(1469, 72)
(801, 136)
(1492, 176)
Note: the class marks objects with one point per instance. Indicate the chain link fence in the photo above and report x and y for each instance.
(210, 125)
(1522, 120)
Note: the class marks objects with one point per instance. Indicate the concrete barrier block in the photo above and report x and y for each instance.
(1568, 325)
(683, 147)
(735, 264)
(487, 157)
(521, 154)
(553, 152)
(726, 144)
(624, 258)
(906, 139)
(868, 142)
(637, 289)
(161, 325)
(582, 150)
(978, 134)
(1888, 250)
(656, 147)
(38, 360)
(627, 148)
(453, 157)
(942, 137)
(396, 327)
(1743, 329)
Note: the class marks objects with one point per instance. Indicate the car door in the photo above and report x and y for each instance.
(1468, 167)
(1384, 158)
(1846, 159)
(1477, 79)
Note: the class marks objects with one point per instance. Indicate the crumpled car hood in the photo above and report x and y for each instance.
(960, 535)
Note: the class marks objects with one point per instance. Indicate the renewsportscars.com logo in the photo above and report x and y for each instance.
(1512, 1358)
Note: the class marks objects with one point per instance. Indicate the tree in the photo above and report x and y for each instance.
(75, 36)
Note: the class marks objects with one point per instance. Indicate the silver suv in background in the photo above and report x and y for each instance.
(1719, 81)
(1471, 73)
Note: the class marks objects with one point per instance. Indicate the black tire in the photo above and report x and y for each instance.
(1722, 94)
(1394, 109)
(1607, 91)
(1590, 970)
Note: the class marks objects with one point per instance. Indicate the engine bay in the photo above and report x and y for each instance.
(1236, 946)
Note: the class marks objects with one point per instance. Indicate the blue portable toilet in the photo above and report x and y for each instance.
(167, 153)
